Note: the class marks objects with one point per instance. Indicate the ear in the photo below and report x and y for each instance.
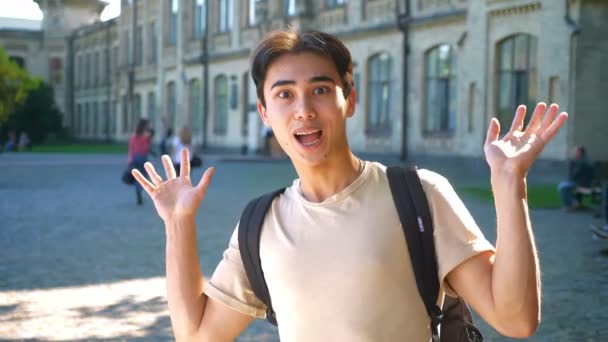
(350, 103)
(263, 114)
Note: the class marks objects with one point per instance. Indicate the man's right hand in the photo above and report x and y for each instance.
(174, 198)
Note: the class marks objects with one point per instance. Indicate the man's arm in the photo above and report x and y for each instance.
(194, 316)
(505, 288)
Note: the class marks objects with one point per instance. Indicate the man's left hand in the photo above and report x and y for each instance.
(518, 149)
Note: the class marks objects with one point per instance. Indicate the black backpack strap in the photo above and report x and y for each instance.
(250, 228)
(414, 214)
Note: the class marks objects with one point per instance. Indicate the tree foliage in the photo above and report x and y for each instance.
(38, 116)
(15, 84)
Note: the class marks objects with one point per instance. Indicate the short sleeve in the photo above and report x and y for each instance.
(457, 236)
(230, 286)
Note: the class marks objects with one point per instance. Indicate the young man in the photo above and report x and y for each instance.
(332, 247)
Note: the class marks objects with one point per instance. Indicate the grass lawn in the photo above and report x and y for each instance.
(539, 196)
(81, 148)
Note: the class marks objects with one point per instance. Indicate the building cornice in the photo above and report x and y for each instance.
(515, 10)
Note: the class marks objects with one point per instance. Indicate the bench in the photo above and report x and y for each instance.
(598, 191)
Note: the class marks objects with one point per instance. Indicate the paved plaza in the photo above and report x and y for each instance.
(79, 260)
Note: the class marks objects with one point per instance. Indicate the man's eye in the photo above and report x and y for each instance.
(320, 90)
(284, 94)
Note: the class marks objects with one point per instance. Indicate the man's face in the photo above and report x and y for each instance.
(306, 108)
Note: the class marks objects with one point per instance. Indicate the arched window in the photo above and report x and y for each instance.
(220, 120)
(516, 83)
(195, 104)
(171, 109)
(379, 96)
(440, 89)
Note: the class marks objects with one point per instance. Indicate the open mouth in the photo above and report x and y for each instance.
(309, 138)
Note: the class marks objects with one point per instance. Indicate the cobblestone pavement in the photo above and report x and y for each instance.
(80, 261)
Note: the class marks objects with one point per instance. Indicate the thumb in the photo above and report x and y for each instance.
(493, 131)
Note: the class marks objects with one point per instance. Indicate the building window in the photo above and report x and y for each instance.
(136, 110)
(171, 105)
(94, 119)
(116, 62)
(172, 32)
(379, 99)
(153, 53)
(440, 89)
(56, 69)
(113, 118)
(516, 82)
(198, 29)
(139, 45)
(86, 119)
(87, 70)
(106, 114)
(152, 108)
(127, 50)
(105, 73)
(245, 104)
(20, 61)
(79, 70)
(471, 107)
(251, 19)
(225, 19)
(125, 114)
(97, 67)
(335, 3)
(76, 125)
(195, 104)
(220, 121)
(289, 8)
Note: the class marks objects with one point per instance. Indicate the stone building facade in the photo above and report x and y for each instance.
(427, 83)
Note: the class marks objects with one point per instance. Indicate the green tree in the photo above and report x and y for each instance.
(15, 84)
(38, 116)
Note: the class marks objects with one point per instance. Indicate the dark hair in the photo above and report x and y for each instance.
(582, 150)
(281, 42)
(141, 126)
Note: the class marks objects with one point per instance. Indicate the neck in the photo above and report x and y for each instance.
(319, 182)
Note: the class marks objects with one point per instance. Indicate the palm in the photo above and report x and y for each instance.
(174, 197)
(519, 148)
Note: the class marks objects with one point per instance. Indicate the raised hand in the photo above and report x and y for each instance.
(519, 148)
(176, 197)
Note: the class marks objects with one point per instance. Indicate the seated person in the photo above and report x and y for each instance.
(580, 174)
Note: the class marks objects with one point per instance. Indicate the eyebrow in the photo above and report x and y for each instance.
(314, 79)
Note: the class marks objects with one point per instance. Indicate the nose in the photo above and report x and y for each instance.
(305, 109)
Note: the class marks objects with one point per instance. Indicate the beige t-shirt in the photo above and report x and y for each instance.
(339, 270)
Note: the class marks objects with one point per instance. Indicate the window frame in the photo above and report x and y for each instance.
(379, 86)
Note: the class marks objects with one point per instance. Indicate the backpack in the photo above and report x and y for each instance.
(414, 214)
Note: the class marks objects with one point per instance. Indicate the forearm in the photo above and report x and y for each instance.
(515, 276)
(184, 279)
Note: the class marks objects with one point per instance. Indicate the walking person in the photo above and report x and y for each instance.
(332, 247)
(139, 148)
(181, 141)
